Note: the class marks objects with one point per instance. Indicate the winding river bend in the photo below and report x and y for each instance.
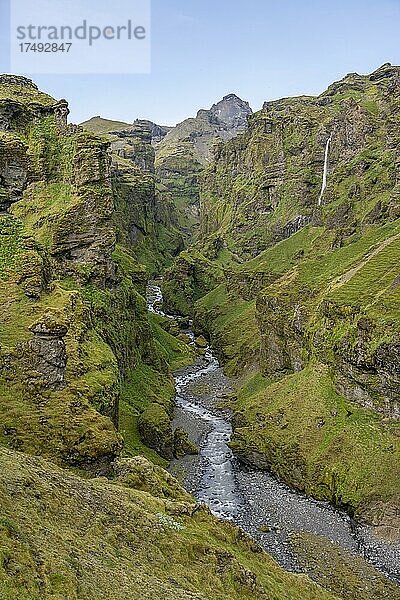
(263, 506)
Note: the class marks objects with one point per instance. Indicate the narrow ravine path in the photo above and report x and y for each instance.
(264, 507)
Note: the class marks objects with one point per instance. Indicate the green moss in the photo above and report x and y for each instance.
(11, 245)
(43, 206)
(133, 443)
(25, 94)
(231, 324)
(143, 391)
(176, 352)
(191, 276)
(318, 441)
(138, 544)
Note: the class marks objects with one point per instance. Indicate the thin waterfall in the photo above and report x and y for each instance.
(326, 166)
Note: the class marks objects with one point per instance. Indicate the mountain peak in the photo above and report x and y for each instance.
(230, 97)
(231, 112)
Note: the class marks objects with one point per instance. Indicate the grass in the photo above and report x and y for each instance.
(335, 263)
(132, 548)
(231, 325)
(345, 574)
(11, 245)
(175, 352)
(100, 126)
(317, 440)
(143, 389)
(24, 94)
(373, 280)
(133, 444)
(286, 254)
(43, 206)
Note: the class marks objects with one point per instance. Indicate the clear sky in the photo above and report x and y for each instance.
(259, 49)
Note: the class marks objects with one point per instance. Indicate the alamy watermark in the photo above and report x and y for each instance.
(80, 36)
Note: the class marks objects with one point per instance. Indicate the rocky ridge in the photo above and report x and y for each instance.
(304, 303)
(83, 368)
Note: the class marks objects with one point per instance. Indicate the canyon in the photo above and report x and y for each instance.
(238, 271)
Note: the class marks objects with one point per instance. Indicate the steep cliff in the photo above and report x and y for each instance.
(146, 213)
(80, 356)
(308, 306)
(181, 153)
(74, 330)
(264, 185)
(188, 147)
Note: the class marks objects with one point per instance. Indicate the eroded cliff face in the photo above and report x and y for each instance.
(188, 147)
(264, 185)
(74, 330)
(304, 301)
(146, 215)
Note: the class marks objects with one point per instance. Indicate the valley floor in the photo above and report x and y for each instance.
(288, 525)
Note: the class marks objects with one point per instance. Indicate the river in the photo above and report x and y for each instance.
(262, 505)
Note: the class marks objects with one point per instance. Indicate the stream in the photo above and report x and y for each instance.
(255, 500)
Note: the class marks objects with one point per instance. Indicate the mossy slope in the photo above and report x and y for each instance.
(306, 301)
(139, 536)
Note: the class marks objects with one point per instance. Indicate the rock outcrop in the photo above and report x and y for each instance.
(146, 214)
(303, 298)
(74, 332)
(48, 350)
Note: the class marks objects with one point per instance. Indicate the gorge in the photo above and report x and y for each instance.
(186, 311)
(264, 507)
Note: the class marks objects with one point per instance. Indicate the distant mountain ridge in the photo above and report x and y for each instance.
(223, 121)
(181, 152)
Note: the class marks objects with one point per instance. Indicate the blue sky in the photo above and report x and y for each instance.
(259, 49)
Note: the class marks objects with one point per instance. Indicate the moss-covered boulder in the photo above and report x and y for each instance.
(182, 444)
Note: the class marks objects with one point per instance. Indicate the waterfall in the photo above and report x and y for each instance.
(326, 165)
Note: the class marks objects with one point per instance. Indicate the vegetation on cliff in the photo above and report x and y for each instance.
(305, 307)
(301, 303)
(75, 331)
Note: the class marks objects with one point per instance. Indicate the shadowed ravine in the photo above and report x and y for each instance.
(263, 506)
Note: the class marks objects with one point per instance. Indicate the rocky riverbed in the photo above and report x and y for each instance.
(264, 507)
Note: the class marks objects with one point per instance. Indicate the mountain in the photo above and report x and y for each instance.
(299, 293)
(188, 147)
(84, 370)
(182, 152)
(99, 125)
(222, 121)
